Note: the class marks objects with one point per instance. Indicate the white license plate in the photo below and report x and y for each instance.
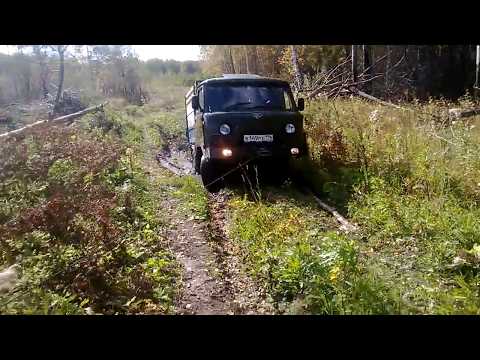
(258, 138)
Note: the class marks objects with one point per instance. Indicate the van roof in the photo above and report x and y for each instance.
(242, 78)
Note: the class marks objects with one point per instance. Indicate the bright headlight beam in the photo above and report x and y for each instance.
(227, 152)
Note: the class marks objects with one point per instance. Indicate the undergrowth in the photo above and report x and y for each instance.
(409, 179)
(79, 216)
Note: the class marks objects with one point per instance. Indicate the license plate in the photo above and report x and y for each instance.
(258, 138)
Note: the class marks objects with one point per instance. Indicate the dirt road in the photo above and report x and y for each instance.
(214, 280)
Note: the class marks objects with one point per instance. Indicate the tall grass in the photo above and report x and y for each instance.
(83, 221)
(410, 180)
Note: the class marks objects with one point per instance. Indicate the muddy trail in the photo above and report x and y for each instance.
(213, 280)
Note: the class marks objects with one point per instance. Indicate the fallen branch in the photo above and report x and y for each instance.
(346, 225)
(374, 64)
(174, 168)
(69, 117)
(360, 82)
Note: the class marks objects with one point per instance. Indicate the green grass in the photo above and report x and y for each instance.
(409, 181)
(128, 268)
(193, 195)
(307, 266)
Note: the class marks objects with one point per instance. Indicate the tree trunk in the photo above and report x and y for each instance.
(261, 62)
(61, 53)
(296, 68)
(44, 79)
(354, 63)
(230, 63)
(387, 67)
(366, 66)
(91, 67)
(247, 60)
(278, 52)
(27, 87)
(477, 85)
(253, 60)
(44, 70)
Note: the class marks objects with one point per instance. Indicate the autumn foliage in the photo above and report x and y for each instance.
(71, 203)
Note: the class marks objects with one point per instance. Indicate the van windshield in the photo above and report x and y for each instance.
(244, 97)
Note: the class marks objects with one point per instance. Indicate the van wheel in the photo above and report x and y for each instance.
(197, 160)
(209, 174)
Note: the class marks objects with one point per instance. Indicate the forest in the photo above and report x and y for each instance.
(92, 221)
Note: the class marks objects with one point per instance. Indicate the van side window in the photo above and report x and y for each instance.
(288, 101)
(201, 99)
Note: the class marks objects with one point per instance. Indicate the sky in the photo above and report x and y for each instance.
(175, 52)
(145, 52)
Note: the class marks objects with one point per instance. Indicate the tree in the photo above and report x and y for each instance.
(156, 66)
(173, 66)
(42, 59)
(60, 49)
(477, 85)
(251, 55)
(296, 68)
(354, 63)
(22, 72)
(367, 69)
(228, 60)
(189, 67)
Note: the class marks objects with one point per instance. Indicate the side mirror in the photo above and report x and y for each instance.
(195, 103)
(301, 104)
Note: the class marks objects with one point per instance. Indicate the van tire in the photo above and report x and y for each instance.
(197, 160)
(209, 174)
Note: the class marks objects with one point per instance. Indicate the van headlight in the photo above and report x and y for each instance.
(290, 128)
(224, 129)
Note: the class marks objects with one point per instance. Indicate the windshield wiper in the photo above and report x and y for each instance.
(264, 107)
(236, 104)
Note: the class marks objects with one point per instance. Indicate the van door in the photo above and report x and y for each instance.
(199, 136)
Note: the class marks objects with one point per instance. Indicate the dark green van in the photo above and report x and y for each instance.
(238, 119)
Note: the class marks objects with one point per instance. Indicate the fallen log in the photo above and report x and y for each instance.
(69, 117)
(459, 113)
(373, 98)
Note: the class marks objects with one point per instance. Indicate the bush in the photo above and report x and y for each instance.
(409, 180)
(79, 216)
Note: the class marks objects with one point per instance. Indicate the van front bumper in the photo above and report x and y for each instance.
(242, 153)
